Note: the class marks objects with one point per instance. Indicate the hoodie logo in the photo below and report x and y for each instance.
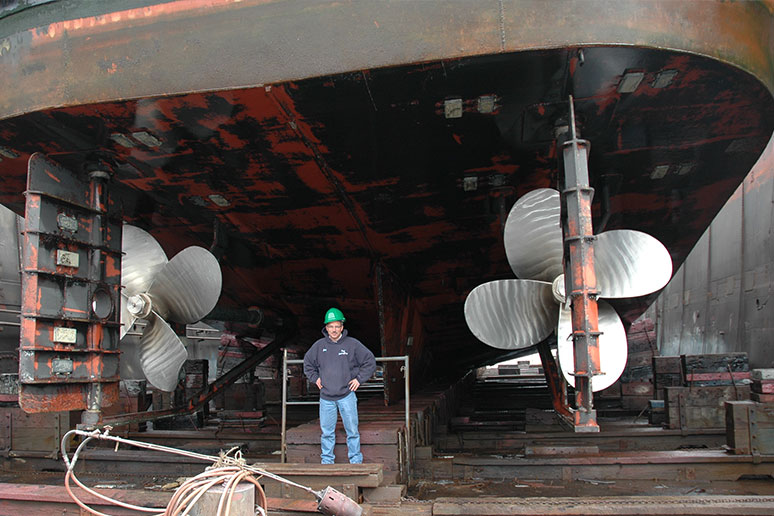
(325, 349)
(343, 352)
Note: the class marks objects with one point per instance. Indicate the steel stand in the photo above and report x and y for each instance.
(580, 278)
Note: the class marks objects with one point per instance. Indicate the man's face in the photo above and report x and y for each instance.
(334, 329)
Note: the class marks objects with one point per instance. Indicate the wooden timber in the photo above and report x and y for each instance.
(750, 427)
(384, 438)
(701, 407)
(678, 465)
(350, 479)
(611, 438)
(609, 506)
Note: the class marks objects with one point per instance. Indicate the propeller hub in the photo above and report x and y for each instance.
(139, 306)
(557, 289)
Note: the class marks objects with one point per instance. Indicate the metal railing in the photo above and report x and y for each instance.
(285, 402)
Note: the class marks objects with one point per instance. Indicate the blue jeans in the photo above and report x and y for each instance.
(347, 407)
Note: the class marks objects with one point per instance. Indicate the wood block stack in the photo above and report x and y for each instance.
(383, 436)
(656, 412)
(720, 369)
(637, 378)
(701, 407)
(381, 442)
(750, 427)
(522, 367)
(667, 372)
(196, 376)
(710, 381)
(762, 385)
(351, 479)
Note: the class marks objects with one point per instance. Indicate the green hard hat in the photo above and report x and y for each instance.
(333, 314)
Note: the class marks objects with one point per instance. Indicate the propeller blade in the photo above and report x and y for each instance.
(188, 287)
(127, 319)
(162, 354)
(511, 314)
(533, 236)
(143, 259)
(630, 263)
(613, 347)
(129, 364)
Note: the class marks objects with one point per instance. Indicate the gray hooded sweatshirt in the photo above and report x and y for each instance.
(336, 363)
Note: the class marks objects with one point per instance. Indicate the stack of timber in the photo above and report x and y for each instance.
(667, 372)
(384, 438)
(710, 381)
(750, 423)
(634, 388)
(721, 369)
(762, 385)
(354, 480)
(498, 404)
(520, 368)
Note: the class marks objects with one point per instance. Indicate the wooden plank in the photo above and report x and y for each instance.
(637, 389)
(547, 451)
(701, 407)
(347, 478)
(738, 426)
(750, 427)
(40, 431)
(724, 375)
(370, 433)
(383, 454)
(382, 494)
(418, 508)
(730, 505)
(715, 363)
(709, 396)
(371, 472)
(669, 365)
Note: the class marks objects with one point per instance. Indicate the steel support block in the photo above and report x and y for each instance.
(579, 274)
(71, 285)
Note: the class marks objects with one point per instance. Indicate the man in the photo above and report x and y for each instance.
(338, 364)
